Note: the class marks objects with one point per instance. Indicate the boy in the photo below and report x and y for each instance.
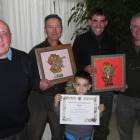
(82, 83)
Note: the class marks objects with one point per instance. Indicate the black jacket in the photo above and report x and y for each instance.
(132, 68)
(57, 88)
(87, 45)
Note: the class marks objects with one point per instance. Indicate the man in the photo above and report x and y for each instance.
(42, 96)
(16, 75)
(96, 42)
(128, 106)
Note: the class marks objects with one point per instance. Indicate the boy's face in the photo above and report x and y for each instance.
(81, 86)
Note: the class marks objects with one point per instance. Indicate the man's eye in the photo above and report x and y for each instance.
(85, 85)
(4, 34)
(50, 26)
(135, 26)
(57, 26)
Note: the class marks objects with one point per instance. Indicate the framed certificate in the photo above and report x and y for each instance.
(56, 63)
(110, 72)
(79, 109)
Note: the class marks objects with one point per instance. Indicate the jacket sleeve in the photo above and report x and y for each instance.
(36, 82)
(57, 110)
(77, 51)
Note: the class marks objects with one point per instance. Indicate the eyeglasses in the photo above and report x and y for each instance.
(130, 65)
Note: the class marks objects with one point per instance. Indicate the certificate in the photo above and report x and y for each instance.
(79, 109)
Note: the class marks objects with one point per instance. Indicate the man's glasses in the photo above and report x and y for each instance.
(130, 65)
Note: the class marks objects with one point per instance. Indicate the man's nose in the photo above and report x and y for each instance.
(1, 38)
(54, 29)
(98, 24)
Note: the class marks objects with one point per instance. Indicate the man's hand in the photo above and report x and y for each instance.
(45, 84)
(91, 70)
(57, 98)
(122, 89)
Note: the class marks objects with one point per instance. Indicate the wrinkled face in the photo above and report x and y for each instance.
(53, 29)
(81, 86)
(97, 24)
(5, 39)
(135, 29)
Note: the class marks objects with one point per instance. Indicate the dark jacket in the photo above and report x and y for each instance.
(132, 68)
(87, 45)
(57, 88)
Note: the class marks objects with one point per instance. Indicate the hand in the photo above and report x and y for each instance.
(101, 108)
(45, 84)
(122, 89)
(57, 99)
(91, 70)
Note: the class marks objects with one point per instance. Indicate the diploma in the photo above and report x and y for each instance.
(79, 109)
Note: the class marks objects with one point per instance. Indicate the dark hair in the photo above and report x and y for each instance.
(52, 16)
(97, 11)
(82, 74)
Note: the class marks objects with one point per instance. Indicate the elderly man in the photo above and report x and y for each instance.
(96, 42)
(128, 106)
(42, 96)
(16, 79)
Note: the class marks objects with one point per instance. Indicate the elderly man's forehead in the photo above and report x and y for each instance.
(136, 20)
(4, 24)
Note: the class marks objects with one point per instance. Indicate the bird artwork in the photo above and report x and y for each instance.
(108, 72)
(56, 63)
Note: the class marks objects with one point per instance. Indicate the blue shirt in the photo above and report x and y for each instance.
(73, 138)
(9, 55)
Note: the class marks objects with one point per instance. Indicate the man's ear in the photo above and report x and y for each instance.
(89, 87)
(45, 29)
(106, 22)
(89, 22)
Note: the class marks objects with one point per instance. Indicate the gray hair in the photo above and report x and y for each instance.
(134, 17)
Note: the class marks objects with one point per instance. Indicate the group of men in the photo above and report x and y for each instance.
(20, 78)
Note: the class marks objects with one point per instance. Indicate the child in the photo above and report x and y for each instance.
(82, 83)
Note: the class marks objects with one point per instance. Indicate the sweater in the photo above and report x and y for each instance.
(16, 77)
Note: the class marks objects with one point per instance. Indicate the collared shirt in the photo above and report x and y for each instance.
(9, 55)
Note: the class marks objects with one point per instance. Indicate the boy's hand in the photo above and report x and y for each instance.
(57, 98)
(101, 108)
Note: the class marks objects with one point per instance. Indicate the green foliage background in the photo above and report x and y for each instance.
(119, 13)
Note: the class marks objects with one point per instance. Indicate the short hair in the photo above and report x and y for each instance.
(97, 11)
(134, 17)
(82, 74)
(52, 16)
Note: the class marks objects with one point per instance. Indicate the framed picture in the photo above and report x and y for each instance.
(110, 72)
(56, 63)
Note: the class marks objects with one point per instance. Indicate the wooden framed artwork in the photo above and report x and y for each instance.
(110, 72)
(56, 63)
